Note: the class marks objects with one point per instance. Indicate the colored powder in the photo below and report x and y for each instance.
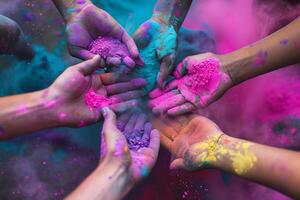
(284, 41)
(108, 47)
(261, 58)
(135, 140)
(203, 76)
(95, 100)
(158, 45)
(2, 131)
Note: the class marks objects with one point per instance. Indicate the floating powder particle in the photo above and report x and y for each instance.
(108, 47)
(95, 100)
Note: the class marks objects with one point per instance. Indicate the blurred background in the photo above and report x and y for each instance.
(51, 163)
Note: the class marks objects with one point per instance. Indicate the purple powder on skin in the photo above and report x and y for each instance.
(284, 41)
(135, 140)
(261, 58)
(111, 47)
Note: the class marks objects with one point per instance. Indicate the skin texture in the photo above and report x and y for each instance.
(85, 22)
(196, 143)
(178, 99)
(12, 40)
(63, 103)
(120, 168)
(278, 50)
(161, 31)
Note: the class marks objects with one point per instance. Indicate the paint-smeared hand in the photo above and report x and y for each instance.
(192, 140)
(162, 38)
(200, 80)
(118, 147)
(90, 23)
(12, 40)
(79, 93)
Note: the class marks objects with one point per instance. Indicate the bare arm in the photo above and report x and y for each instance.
(279, 49)
(198, 143)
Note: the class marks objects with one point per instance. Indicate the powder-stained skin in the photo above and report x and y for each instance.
(94, 100)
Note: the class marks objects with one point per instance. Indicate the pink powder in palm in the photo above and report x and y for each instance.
(95, 100)
(203, 76)
(108, 47)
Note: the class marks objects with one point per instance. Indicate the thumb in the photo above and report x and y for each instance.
(110, 131)
(89, 66)
(177, 164)
(166, 68)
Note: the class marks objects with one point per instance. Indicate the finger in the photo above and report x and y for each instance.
(130, 125)
(155, 102)
(113, 61)
(168, 104)
(147, 131)
(141, 120)
(110, 130)
(177, 164)
(135, 94)
(123, 120)
(154, 141)
(165, 68)
(126, 86)
(123, 106)
(89, 66)
(129, 42)
(182, 109)
(181, 69)
(112, 78)
(139, 61)
(129, 62)
(158, 92)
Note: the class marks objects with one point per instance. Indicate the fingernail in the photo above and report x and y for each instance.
(105, 111)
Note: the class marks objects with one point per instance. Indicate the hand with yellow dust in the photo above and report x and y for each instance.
(196, 142)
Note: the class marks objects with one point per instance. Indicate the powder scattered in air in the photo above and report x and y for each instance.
(94, 100)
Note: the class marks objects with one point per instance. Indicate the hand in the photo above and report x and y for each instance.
(114, 146)
(78, 94)
(192, 140)
(163, 39)
(90, 23)
(12, 39)
(200, 80)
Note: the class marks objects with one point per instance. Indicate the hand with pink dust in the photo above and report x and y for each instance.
(114, 144)
(200, 80)
(187, 138)
(91, 27)
(160, 40)
(12, 40)
(79, 93)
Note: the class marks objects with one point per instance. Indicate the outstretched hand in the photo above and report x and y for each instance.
(79, 93)
(118, 146)
(90, 23)
(200, 81)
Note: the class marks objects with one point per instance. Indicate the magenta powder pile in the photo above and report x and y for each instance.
(203, 76)
(95, 100)
(108, 47)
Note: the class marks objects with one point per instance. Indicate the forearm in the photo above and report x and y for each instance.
(272, 167)
(171, 12)
(69, 7)
(107, 182)
(279, 49)
(25, 113)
